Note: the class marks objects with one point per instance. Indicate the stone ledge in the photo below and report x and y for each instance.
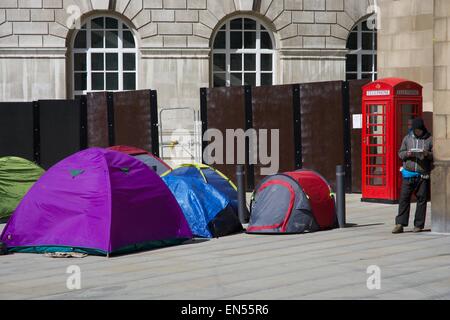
(312, 54)
(21, 53)
(171, 53)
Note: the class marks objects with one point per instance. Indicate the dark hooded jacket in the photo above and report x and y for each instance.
(417, 162)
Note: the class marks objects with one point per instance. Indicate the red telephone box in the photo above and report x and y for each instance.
(388, 106)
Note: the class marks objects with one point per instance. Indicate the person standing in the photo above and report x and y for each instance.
(416, 152)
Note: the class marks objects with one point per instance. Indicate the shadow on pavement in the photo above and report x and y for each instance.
(355, 225)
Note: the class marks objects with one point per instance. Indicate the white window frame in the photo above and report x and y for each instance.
(257, 51)
(359, 52)
(89, 51)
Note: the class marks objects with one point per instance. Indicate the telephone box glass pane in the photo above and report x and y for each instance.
(376, 140)
(374, 150)
(376, 145)
(377, 181)
(374, 129)
(377, 171)
(376, 109)
(407, 108)
(376, 161)
(376, 120)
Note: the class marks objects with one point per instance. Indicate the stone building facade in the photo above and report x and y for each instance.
(174, 39)
(441, 115)
(414, 42)
(169, 46)
(405, 43)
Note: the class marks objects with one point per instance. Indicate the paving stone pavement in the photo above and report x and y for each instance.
(323, 265)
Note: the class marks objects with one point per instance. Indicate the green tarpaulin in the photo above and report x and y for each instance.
(17, 175)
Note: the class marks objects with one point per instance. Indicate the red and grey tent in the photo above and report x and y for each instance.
(148, 158)
(293, 202)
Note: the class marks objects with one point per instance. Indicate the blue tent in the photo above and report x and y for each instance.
(207, 210)
(210, 176)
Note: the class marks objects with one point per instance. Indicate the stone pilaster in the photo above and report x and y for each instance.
(440, 190)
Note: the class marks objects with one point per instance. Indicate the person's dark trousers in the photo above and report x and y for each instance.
(409, 186)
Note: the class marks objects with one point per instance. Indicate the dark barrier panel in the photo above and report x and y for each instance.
(222, 109)
(428, 119)
(355, 101)
(47, 131)
(315, 122)
(273, 109)
(97, 119)
(61, 129)
(136, 119)
(17, 130)
(322, 117)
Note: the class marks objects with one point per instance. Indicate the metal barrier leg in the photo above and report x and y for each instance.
(340, 195)
(240, 176)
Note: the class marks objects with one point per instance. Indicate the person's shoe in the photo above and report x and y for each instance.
(417, 230)
(398, 229)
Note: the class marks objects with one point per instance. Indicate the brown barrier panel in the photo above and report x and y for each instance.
(355, 101)
(222, 109)
(136, 119)
(273, 109)
(314, 119)
(97, 119)
(322, 127)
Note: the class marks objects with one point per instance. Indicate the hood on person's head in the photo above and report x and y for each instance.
(418, 123)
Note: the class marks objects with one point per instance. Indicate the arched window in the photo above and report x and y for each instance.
(362, 57)
(243, 54)
(104, 56)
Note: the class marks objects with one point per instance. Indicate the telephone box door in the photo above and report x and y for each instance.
(408, 109)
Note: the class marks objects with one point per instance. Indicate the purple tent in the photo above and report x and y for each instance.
(96, 201)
